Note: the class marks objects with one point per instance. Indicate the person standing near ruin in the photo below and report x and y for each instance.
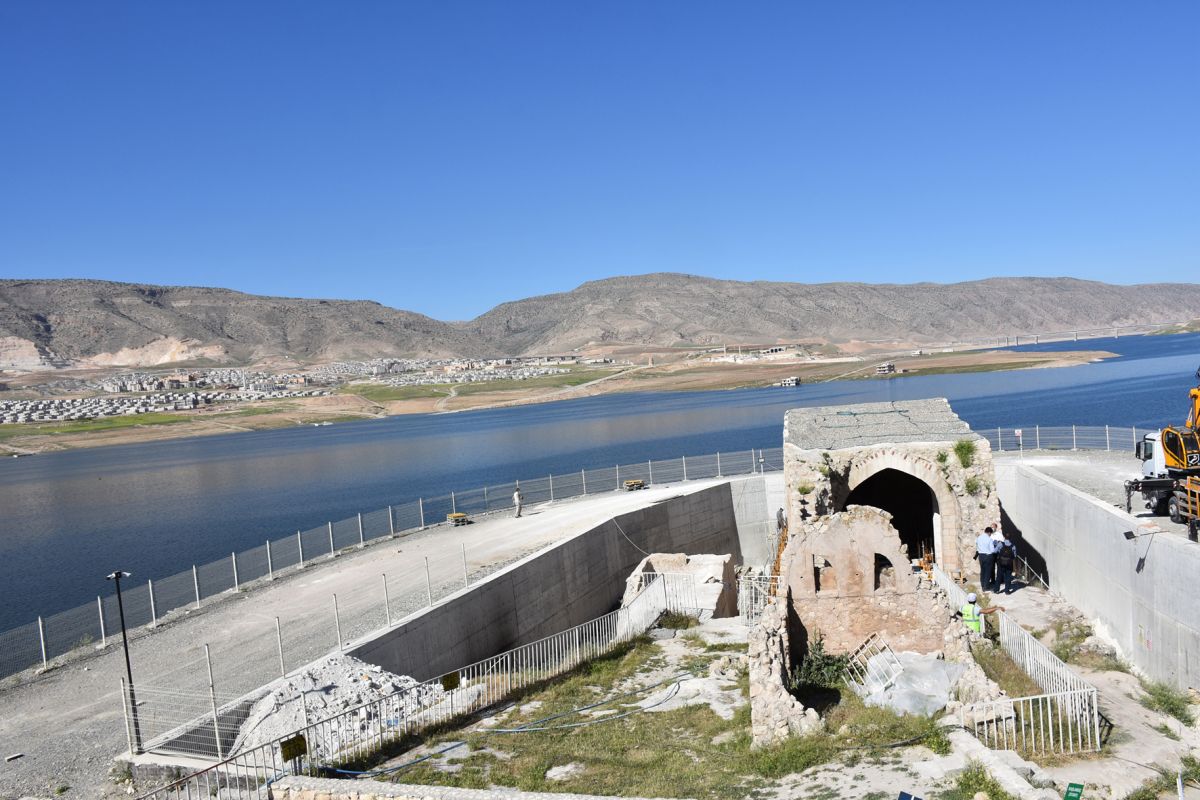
(1004, 566)
(517, 498)
(972, 614)
(985, 552)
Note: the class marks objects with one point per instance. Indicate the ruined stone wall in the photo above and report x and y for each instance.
(820, 481)
(774, 713)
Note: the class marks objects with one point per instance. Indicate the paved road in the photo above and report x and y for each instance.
(68, 724)
(1100, 473)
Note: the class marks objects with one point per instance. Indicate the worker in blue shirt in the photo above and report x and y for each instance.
(985, 552)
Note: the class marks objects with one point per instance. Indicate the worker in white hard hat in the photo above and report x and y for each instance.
(972, 614)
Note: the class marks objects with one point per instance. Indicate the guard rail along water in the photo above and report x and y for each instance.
(45, 639)
(356, 735)
(1066, 719)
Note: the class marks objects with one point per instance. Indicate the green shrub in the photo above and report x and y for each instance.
(1167, 700)
(942, 456)
(676, 621)
(805, 488)
(972, 485)
(973, 780)
(819, 668)
(965, 450)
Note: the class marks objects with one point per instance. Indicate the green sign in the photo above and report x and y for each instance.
(1074, 791)
(293, 748)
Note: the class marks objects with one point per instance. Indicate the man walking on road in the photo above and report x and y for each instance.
(985, 551)
(517, 500)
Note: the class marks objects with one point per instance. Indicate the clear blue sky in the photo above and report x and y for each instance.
(446, 156)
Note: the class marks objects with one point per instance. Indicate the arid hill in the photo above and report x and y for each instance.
(85, 322)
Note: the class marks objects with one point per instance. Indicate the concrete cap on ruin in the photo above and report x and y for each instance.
(865, 424)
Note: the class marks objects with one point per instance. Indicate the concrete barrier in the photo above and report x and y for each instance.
(564, 585)
(1140, 591)
(755, 500)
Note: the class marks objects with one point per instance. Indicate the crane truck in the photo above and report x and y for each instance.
(1170, 482)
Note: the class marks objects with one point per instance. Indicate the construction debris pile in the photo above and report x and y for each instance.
(326, 689)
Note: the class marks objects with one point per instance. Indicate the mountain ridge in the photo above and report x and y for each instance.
(85, 322)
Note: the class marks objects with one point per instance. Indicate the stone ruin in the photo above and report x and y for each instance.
(875, 493)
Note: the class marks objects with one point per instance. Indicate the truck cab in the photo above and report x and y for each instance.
(1150, 454)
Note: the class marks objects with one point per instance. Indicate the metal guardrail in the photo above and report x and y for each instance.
(754, 593)
(1065, 437)
(38, 643)
(1064, 720)
(361, 732)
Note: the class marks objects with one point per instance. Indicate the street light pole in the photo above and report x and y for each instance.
(115, 577)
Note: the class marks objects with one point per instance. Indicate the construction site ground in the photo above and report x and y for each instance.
(1140, 742)
(653, 721)
(67, 724)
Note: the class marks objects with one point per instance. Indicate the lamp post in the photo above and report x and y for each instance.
(115, 577)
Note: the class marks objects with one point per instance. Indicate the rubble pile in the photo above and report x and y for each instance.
(326, 689)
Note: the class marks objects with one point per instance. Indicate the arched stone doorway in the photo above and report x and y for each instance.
(923, 506)
(912, 504)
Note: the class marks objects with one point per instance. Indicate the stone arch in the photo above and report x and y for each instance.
(947, 517)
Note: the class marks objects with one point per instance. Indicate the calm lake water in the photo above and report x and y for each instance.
(153, 509)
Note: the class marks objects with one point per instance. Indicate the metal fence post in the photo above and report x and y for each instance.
(391, 522)
(300, 547)
(332, 549)
(583, 474)
(618, 468)
(999, 441)
(1107, 439)
(551, 488)
(212, 696)
(153, 607)
(270, 566)
(1073, 444)
(428, 583)
(337, 622)
(236, 585)
(1037, 437)
(279, 643)
(684, 459)
(421, 510)
(103, 635)
(361, 542)
(650, 470)
(466, 580)
(387, 604)
(453, 504)
(125, 713)
(196, 584)
(487, 506)
(719, 464)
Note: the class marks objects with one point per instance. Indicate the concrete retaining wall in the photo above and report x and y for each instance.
(755, 500)
(1141, 591)
(564, 585)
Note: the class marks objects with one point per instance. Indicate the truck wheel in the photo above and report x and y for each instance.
(1160, 507)
(1173, 510)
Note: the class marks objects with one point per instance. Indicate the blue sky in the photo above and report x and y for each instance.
(447, 156)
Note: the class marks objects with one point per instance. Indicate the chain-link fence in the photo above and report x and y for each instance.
(40, 642)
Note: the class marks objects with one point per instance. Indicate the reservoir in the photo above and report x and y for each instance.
(154, 509)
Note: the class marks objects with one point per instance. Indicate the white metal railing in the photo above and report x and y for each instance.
(872, 667)
(679, 591)
(1062, 722)
(1066, 719)
(1064, 437)
(754, 592)
(94, 624)
(357, 734)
